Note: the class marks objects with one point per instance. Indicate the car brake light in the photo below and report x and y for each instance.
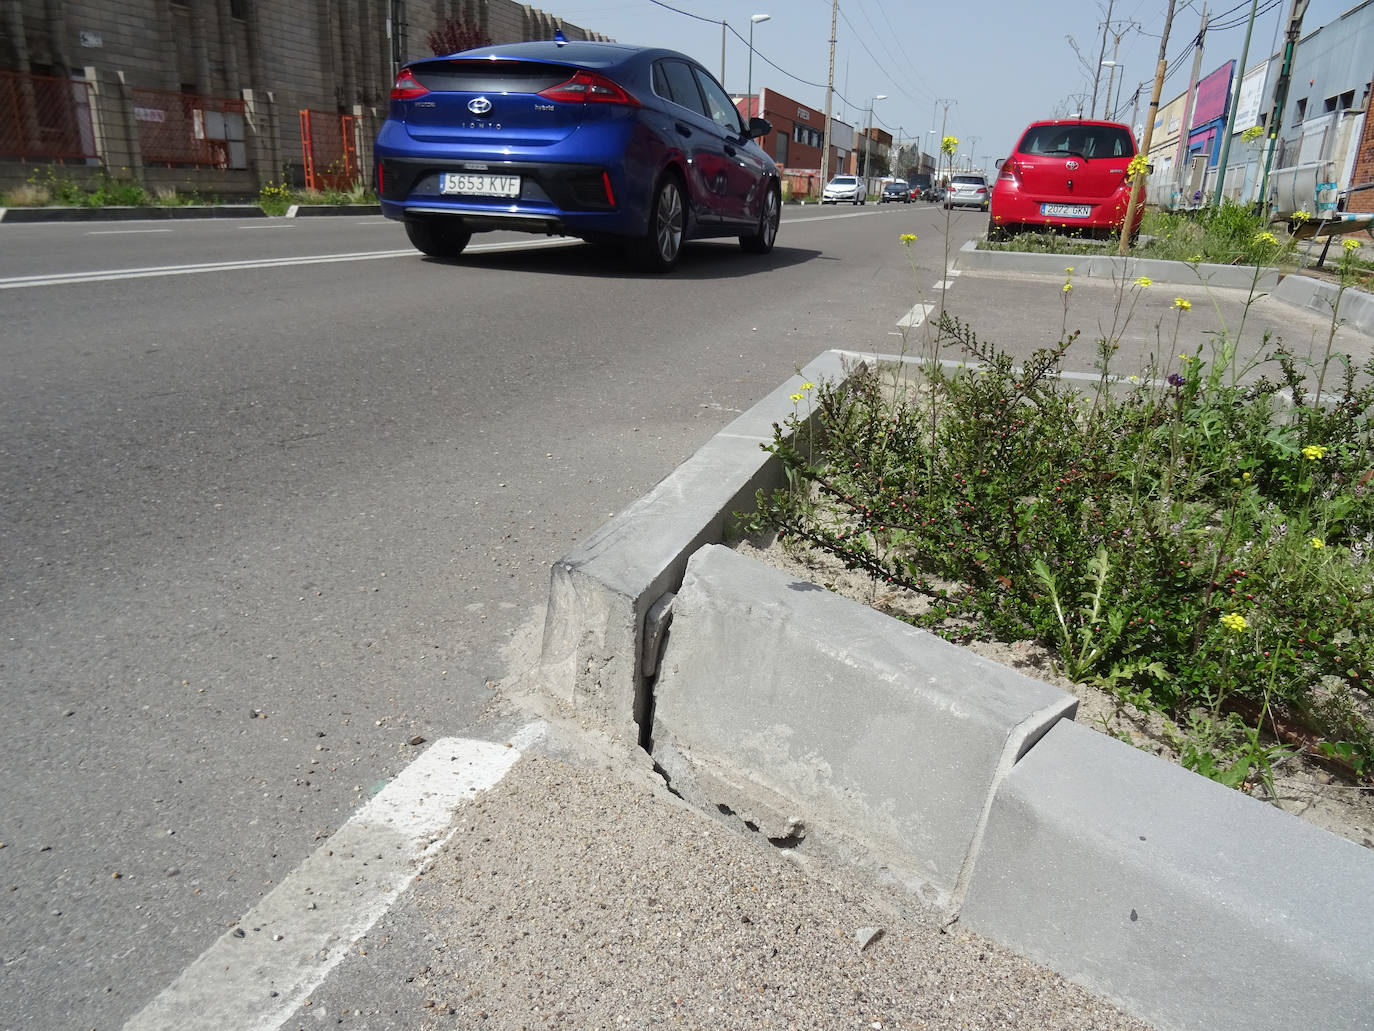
(1009, 170)
(610, 193)
(589, 88)
(407, 87)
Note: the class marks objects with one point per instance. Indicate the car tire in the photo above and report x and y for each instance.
(437, 237)
(762, 241)
(996, 234)
(661, 245)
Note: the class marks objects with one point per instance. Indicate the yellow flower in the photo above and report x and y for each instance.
(1144, 281)
(1244, 476)
(1069, 270)
(796, 397)
(1317, 542)
(1301, 216)
(1349, 244)
(1195, 259)
(1234, 622)
(1139, 168)
(1182, 305)
(1251, 134)
(908, 238)
(808, 386)
(1266, 237)
(1132, 379)
(949, 145)
(1068, 287)
(1313, 452)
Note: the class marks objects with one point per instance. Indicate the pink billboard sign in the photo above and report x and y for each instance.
(1213, 95)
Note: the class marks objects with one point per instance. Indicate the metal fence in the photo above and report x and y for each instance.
(329, 144)
(187, 130)
(45, 118)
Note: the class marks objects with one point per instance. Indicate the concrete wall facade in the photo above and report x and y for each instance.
(333, 57)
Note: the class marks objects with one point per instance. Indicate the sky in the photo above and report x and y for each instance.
(981, 72)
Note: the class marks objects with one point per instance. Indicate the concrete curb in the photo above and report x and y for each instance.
(1356, 306)
(1136, 878)
(601, 593)
(314, 210)
(115, 214)
(1122, 270)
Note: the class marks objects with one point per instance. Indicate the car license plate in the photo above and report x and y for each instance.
(1067, 210)
(477, 185)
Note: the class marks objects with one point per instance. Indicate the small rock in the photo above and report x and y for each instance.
(866, 936)
(239, 932)
(417, 740)
(173, 871)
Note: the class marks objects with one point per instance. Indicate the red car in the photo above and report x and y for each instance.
(1065, 176)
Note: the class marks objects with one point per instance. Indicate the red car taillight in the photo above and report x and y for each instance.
(1009, 171)
(407, 87)
(589, 88)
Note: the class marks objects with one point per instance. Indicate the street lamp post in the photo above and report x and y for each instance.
(868, 135)
(1114, 65)
(754, 19)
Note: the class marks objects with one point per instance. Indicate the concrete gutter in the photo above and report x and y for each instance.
(829, 727)
(121, 214)
(157, 211)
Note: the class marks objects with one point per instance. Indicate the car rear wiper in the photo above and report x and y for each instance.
(1075, 153)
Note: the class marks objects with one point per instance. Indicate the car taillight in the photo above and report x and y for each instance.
(1009, 170)
(589, 88)
(407, 87)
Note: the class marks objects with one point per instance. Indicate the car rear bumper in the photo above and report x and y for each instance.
(1017, 208)
(555, 197)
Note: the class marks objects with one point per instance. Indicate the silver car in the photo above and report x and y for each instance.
(844, 189)
(968, 191)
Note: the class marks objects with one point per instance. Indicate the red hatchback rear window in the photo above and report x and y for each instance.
(1088, 141)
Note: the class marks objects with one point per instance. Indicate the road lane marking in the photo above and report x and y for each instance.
(943, 284)
(915, 316)
(257, 974)
(110, 275)
(122, 232)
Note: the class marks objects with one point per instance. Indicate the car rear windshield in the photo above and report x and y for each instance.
(489, 76)
(1089, 141)
(972, 180)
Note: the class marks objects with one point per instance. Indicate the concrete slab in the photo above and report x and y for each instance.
(1189, 904)
(1118, 269)
(600, 593)
(862, 723)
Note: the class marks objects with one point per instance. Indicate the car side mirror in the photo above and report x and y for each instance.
(999, 163)
(759, 128)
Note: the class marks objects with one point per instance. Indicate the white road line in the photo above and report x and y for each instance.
(110, 275)
(943, 284)
(915, 316)
(256, 975)
(122, 232)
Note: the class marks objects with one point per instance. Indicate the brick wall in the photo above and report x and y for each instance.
(1364, 170)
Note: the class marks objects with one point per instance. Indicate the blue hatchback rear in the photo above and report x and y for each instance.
(600, 141)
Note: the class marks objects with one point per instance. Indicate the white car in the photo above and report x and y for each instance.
(848, 188)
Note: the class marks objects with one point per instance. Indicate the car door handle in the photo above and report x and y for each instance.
(683, 129)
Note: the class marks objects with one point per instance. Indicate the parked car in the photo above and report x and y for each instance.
(1065, 176)
(920, 186)
(602, 141)
(897, 191)
(937, 194)
(843, 188)
(968, 190)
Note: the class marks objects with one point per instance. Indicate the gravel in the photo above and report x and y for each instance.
(581, 894)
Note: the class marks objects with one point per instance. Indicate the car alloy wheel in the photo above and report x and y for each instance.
(662, 244)
(762, 241)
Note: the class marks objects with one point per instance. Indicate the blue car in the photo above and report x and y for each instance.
(601, 141)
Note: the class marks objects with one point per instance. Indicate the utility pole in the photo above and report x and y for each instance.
(829, 91)
(1138, 181)
(722, 52)
(1185, 126)
(1101, 56)
(1230, 126)
(1295, 14)
(944, 119)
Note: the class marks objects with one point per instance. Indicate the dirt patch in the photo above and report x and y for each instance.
(1301, 788)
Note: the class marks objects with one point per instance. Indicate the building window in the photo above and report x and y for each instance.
(1347, 100)
(1300, 111)
(238, 9)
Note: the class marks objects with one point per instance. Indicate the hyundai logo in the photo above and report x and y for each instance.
(479, 105)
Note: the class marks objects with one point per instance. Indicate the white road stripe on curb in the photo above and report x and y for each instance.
(256, 975)
(943, 284)
(108, 275)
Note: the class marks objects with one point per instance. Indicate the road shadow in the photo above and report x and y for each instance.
(704, 259)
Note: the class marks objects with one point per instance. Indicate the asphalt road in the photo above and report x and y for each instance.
(276, 494)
